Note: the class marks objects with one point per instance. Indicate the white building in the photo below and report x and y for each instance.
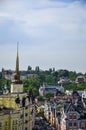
(48, 88)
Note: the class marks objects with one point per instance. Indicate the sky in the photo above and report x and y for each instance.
(51, 33)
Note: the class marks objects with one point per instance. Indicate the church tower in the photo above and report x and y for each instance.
(16, 85)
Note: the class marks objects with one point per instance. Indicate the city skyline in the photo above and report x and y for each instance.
(51, 33)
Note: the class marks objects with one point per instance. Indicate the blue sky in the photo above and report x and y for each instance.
(51, 33)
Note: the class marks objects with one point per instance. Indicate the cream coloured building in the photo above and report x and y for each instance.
(17, 111)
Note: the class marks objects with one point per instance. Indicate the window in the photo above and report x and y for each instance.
(74, 116)
(26, 114)
(0, 124)
(21, 116)
(71, 109)
(75, 124)
(14, 122)
(26, 107)
(82, 124)
(6, 123)
(70, 116)
(26, 121)
(70, 124)
(14, 128)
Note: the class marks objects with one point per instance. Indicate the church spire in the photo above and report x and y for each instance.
(17, 61)
(17, 76)
(17, 86)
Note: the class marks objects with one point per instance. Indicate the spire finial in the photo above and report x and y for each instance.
(17, 61)
(17, 77)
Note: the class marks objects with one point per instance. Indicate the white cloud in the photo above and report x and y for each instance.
(45, 13)
(49, 25)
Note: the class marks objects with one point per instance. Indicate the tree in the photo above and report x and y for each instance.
(26, 84)
(50, 79)
(4, 82)
(42, 78)
(64, 73)
(40, 98)
(48, 95)
(72, 75)
(29, 68)
(70, 86)
(34, 90)
(37, 69)
(55, 74)
(31, 83)
(81, 86)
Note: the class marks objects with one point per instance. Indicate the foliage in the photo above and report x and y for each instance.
(70, 86)
(31, 83)
(4, 82)
(40, 103)
(50, 77)
(48, 95)
(72, 75)
(63, 73)
(41, 114)
(74, 86)
(40, 98)
(81, 86)
(34, 90)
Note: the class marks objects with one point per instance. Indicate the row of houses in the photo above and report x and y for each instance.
(9, 75)
(67, 112)
(78, 79)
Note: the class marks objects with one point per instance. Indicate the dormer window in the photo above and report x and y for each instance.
(71, 109)
(72, 116)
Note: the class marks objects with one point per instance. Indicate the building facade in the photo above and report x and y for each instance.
(48, 88)
(17, 109)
